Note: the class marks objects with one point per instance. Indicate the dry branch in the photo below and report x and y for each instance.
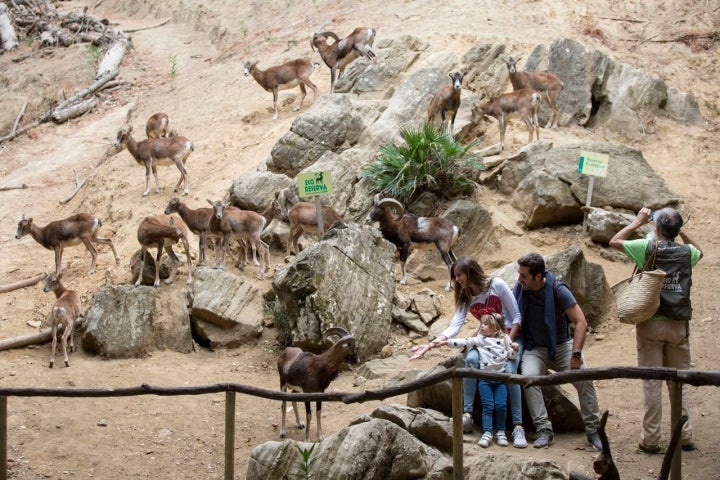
(130, 30)
(17, 120)
(21, 284)
(14, 187)
(78, 186)
(689, 37)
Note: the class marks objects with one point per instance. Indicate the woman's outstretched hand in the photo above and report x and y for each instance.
(420, 350)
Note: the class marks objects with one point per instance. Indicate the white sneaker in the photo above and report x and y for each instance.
(518, 435)
(485, 440)
(501, 439)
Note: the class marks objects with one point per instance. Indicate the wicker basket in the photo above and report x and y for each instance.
(638, 297)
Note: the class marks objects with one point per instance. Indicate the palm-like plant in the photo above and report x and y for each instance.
(429, 160)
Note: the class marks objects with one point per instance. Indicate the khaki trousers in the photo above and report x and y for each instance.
(661, 343)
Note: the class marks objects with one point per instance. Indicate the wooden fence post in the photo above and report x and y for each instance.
(457, 413)
(229, 435)
(675, 413)
(3, 438)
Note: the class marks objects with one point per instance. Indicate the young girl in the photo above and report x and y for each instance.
(495, 348)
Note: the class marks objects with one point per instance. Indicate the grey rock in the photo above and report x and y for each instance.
(124, 321)
(345, 280)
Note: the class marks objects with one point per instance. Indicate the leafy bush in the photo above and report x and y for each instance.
(431, 160)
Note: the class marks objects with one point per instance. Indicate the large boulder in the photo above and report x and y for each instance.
(407, 107)
(348, 199)
(227, 310)
(256, 190)
(369, 450)
(328, 125)
(546, 185)
(603, 225)
(429, 426)
(346, 280)
(394, 56)
(600, 91)
(124, 321)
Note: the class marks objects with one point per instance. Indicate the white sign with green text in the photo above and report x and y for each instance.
(595, 165)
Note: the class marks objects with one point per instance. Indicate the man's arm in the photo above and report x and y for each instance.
(576, 316)
(641, 219)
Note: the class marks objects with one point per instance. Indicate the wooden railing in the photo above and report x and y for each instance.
(680, 377)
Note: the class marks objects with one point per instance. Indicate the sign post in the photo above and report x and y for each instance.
(315, 184)
(595, 165)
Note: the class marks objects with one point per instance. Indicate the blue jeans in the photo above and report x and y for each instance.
(494, 401)
(514, 390)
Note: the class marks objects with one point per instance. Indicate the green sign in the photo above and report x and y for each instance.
(314, 183)
(595, 164)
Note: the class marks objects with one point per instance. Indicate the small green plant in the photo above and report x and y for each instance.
(93, 53)
(243, 28)
(173, 66)
(30, 39)
(305, 462)
(430, 159)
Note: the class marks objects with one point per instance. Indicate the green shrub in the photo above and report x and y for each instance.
(430, 160)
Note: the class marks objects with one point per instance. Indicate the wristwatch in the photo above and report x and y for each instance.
(577, 355)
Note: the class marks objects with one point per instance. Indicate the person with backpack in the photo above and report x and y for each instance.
(547, 307)
(664, 339)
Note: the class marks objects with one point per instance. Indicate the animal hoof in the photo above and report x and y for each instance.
(67, 364)
(51, 364)
(145, 194)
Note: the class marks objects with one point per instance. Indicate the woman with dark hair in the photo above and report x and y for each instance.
(478, 294)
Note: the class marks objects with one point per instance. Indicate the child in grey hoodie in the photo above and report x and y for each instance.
(495, 348)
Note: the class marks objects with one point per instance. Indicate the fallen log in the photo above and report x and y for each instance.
(65, 114)
(8, 37)
(30, 339)
(21, 284)
(113, 57)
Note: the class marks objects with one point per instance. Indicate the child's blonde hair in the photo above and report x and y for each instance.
(496, 321)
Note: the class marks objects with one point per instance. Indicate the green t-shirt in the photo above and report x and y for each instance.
(635, 249)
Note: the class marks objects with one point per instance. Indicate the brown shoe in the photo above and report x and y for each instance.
(688, 446)
(649, 449)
